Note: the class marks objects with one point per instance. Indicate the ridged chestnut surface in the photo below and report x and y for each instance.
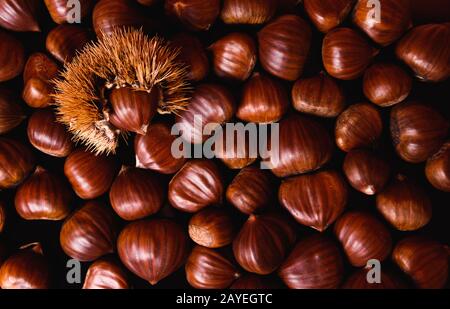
(106, 273)
(64, 41)
(437, 169)
(11, 113)
(20, 15)
(195, 14)
(16, 162)
(328, 14)
(250, 12)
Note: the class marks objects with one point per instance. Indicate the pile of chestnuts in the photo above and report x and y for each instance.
(358, 88)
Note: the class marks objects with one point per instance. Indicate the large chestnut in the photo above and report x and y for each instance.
(64, 41)
(136, 193)
(360, 125)
(358, 280)
(16, 163)
(153, 249)
(12, 56)
(197, 185)
(26, 269)
(314, 263)
(437, 169)
(363, 237)
(90, 232)
(20, 15)
(424, 260)
(248, 11)
(314, 200)
(90, 175)
(263, 242)
(284, 46)
(11, 113)
(210, 269)
(193, 54)
(44, 196)
(328, 14)
(106, 273)
(404, 204)
(195, 14)
(416, 137)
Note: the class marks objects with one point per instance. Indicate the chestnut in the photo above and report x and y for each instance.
(363, 237)
(314, 263)
(40, 66)
(16, 163)
(264, 100)
(37, 93)
(255, 282)
(212, 228)
(211, 103)
(358, 280)
(60, 11)
(314, 200)
(437, 169)
(106, 273)
(304, 146)
(153, 150)
(328, 14)
(415, 137)
(48, 135)
(366, 171)
(195, 14)
(11, 113)
(153, 249)
(263, 242)
(346, 54)
(360, 125)
(395, 19)
(12, 59)
(90, 232)
(20, 15)
(424, 260)
(404, 204)
(43, 196)
(425, 50)
(234, 56)
(64, 41)
(90, 175)
(210, 269)
(193, 54)
(319, 95)
(386, 84)
(251, 191)
(284, 46)
(136, 194)
(251, 12)
(197, 185)
(237, 153)
(26, 269)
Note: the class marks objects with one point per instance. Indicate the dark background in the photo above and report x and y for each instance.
(19, 232)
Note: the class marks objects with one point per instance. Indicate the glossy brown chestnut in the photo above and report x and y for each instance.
(304, 146)
(360, 125)
(37, 93)
(425, 49)
(153, 150)
(251, 12)
(210, 269)
(16, 163)
(136, 194)
(251, 191)
(264, 100)
(314, 263)
(106, 273)
(11, 113)
(319, 95)
(263, 243)
(424, 260)
(415, 137)
(404, 204)
(19, 15)
(437, 169)
(255, 282)
(363, 237)
(236, 153)
(61, 12)
(12, 56)
(153, 249)
(386, 84)
(210, 103)
(195, 14)
(212, 228)
(234, 56)
(26, 269)
(328, 14)
(358, 280)
(315, 200)
(90, 232)
(40, 66)
(366, 171)
(132, 110)
(346, 53)
(2, 224)
(193, 54)
(90, 175)
(44, 196)
(64, 41)
(394, 20)
(197, 185)
(48, 135)
(284, 46)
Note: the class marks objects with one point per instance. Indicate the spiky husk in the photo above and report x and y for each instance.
(126, 58)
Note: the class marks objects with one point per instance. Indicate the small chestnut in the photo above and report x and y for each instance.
(235, 150)
(193, 54)
(437, 169)
(16, 163)
(195, 14)
(106, 273)
(328, 14)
